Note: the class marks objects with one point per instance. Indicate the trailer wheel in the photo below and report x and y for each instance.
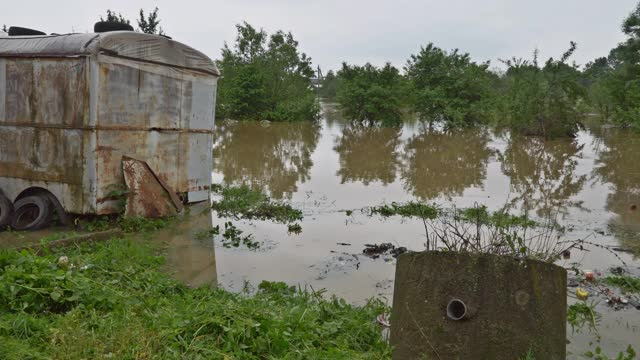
(6, 210)
(31, 213)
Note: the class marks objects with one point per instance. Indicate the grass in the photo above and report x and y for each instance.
(241, 202)
(581, 314)
(479, 230)
(410, 209)
(626, 283)
(111, 300)
(127, 224)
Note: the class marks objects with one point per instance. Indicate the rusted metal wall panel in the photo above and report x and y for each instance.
(45, 92)
(42, 143)
(158, 114)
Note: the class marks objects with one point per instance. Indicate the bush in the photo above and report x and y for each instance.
(542, 101)
(265, 78)
(369, 94)
(624, 82)
(449, 87)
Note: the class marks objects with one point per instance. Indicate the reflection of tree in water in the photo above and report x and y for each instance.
(619, 164)
(273, 158)
(332, 114)
(445, 163)
(368, 153)
(542, 174)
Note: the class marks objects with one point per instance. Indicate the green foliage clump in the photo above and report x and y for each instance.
(371, 94)
(149, 24)
(542, 101)
(113, 301)
(410, 209)
(581, 314)
(597, 354)
(294, 228)
(594, 77)
(623, 81)
(265, 78)
(243, 202)
(627, 283)
(448, 87)
(112, 16)
(31, 284)
(329, 86)
(482, 216)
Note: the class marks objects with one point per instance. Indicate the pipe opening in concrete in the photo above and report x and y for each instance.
(456, 309)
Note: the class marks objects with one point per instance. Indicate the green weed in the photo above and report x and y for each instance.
(597, 354)
(627, 283)
(231, 237)
(244, 203)
(114, 302)
(295, 228)
(581, 314)
(410, 209)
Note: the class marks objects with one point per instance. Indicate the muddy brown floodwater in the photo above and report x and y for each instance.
(590, 184)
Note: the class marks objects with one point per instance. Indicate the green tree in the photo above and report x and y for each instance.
(150, 24)
(448, 87)
(368, 93)
(594, 78)
(265, 78)
(624, 82)
(329, 86)
(542, 101)
(113, 17)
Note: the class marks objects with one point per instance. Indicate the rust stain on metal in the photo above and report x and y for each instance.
(149, 196)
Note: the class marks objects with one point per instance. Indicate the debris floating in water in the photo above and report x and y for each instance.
(374, 250)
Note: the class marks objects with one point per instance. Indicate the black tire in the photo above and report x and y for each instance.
(106, 26)
(20, 31)
(6, 211)
(31, 213)
(63, 217)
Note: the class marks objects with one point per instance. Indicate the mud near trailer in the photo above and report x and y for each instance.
(332, 169)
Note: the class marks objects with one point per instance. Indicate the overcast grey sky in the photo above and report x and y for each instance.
(332, 31)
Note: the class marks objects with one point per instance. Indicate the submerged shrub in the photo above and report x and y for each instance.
(448, 87)
(265, 78)
(542, 101)
(370, 94)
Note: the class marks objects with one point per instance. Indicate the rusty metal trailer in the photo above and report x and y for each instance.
(71, 106)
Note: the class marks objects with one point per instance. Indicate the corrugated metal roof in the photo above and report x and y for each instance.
(129, 44)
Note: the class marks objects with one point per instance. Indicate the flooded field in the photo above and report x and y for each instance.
(333, 169)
